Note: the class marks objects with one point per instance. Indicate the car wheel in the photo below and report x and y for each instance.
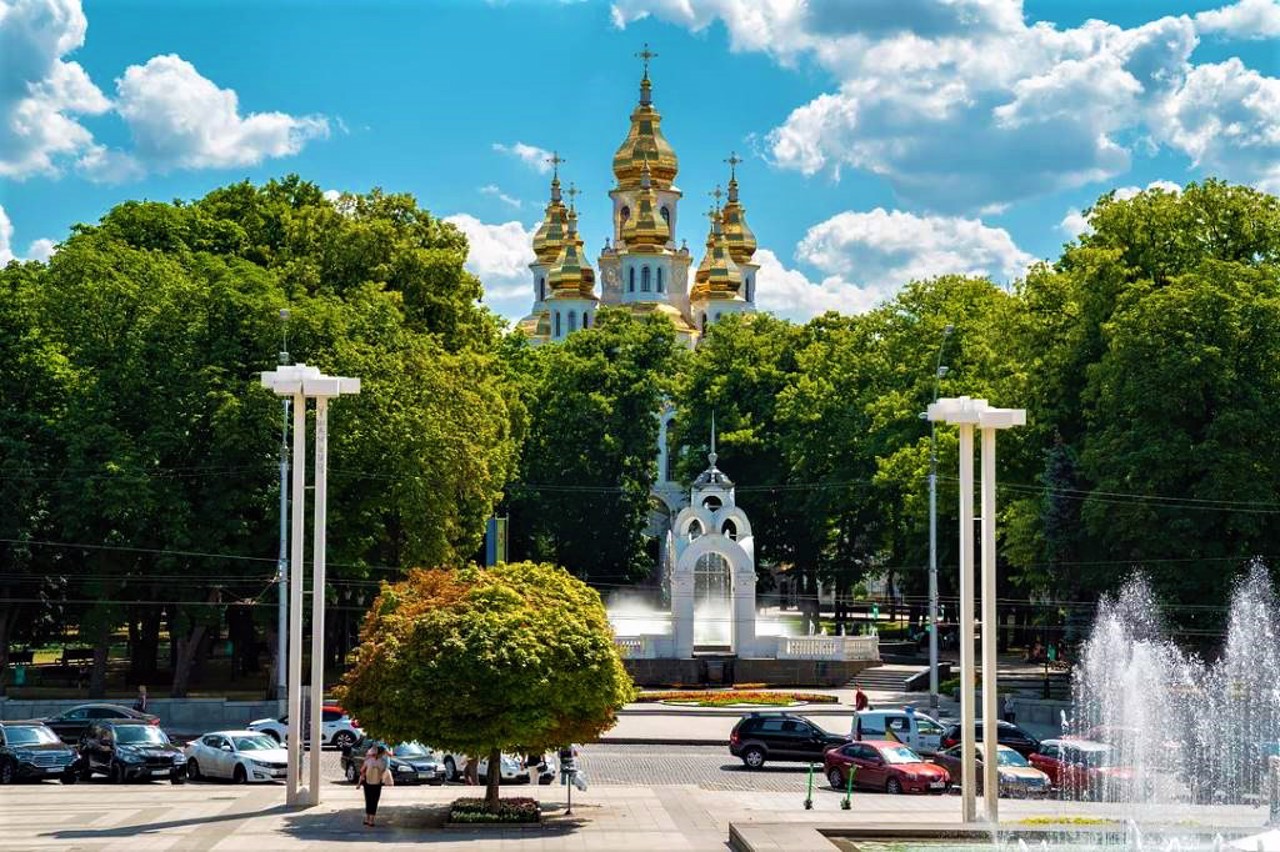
(117, 773)
(344, 739)
(177, 776)
(69, 778)
(893, 786)
(85, 772)
(239, 775)
(6, 773)
(193, 770)
(753, 757)
(353, 774)
(450, 769)
(837, 783)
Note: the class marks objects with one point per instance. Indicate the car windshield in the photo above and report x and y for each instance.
(900, 754)
(1009, 757)
(413, 749)
(254, 743)
(29, 735)
(141, 734)
(928, 727)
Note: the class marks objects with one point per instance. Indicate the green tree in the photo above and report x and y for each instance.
(524, 653)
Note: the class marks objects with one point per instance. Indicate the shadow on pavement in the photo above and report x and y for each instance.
(423, 824)
(152, 827)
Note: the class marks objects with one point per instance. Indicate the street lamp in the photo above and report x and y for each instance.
(938, 373)
(967, 414)
(282, 562)
(302, 383)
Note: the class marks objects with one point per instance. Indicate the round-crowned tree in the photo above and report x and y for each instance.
(479, 661)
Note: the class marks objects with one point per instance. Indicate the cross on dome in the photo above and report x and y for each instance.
(733, 161)
(555, 160)
(573, 192)
(645, 55)
(717, 195)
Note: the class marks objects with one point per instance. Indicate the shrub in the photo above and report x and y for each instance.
(472, 810)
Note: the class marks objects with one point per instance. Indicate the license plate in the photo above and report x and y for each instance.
(52, 769)
(936, 785)
(279, 773)
(160, 772)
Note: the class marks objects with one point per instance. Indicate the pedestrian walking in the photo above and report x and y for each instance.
(1009, 712)
(860, 701)
(375, 773)
(141, 703)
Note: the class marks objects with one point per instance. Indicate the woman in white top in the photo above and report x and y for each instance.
(375, 773)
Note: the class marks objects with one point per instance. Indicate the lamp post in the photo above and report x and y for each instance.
(967, 414)
(938, 372)
(302, 383)
(282, 563)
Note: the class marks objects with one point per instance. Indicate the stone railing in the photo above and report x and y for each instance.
(643, 647)
(852, 648)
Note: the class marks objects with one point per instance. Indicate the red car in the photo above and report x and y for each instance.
(883, 765)
(1083, 768)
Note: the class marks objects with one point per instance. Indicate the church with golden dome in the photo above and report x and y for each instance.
(643, 267)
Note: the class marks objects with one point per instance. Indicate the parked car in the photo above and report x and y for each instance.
(32, 751)
(883, 765)
(241, 756)
(511, 771)
(411, 763)
(1007, 734)
(1083, 768)
(71, 724)
(1018, 778)
(761, 737)
(130, 750)
(336, 728)
(918, 731)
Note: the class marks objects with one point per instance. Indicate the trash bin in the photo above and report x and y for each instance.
(19, 675)
(715, 671)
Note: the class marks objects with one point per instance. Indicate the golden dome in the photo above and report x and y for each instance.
(549, 237)
(737, 235)
(645, 143)
(671, 312)
(646, 232)
(572, 277)
(718, 277)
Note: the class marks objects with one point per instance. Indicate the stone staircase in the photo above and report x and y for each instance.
(886, 678)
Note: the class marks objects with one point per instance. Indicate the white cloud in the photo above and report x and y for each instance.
(496, 191)
(40, 94)
(531, 155)
(332, 195)
(40, 249)
(180, 119)
(963, 104)
(789, 293)
(1248, 19)
(500, 256)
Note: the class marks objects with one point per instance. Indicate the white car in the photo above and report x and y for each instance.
(336, 728)
(241, 756)
(917, 731)
(513, 770)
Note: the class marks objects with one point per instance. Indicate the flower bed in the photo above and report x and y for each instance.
(471, 811)
(730, 697)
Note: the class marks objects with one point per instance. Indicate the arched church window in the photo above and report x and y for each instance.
(631, 280)
(694, 529)
(644, 280)
(748, 288)
(660, 287)
(624, 214)
(557, 323)
(671, 450)
(542, 289)
(704, 323)
(573, 321)
(712, 502)
(729, 530)
(666, 215)
(586, 319)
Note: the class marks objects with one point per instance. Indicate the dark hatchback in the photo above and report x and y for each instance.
(760, 737)
(29, 751)
(411, 763)
(131, 751)
(72, 723)
(1007, 734)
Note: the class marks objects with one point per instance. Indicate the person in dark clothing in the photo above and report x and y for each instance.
(375, 773)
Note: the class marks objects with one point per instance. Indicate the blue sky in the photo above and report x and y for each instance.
(883, 139)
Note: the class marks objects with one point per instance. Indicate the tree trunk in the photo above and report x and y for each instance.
(491, 799)
(145, 651)
(187, 647)
(98, 674)
(274, 660)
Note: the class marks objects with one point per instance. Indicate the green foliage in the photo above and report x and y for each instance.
(517, 809)
(518, 657)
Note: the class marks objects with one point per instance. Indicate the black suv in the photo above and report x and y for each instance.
(1007, 734)
(131, 751)
(780, 736)
(29, 750)
(411, 763)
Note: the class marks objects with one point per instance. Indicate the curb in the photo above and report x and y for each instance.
(667, 741)
(802, 709)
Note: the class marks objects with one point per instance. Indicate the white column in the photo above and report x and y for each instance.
(990, 631)
(968, 805)
(317, 595)
(682, 590)
(292, 794)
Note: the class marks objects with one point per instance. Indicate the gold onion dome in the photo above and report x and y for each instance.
(645, 143)
(572, 276)
(717, 276)
(549, 237)
(737, 235)
(646, 231)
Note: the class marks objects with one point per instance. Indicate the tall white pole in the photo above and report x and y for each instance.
(292, 795)
(968, 804)
(990, 712)
(317, 594)
(282, 572)
(933, 567)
